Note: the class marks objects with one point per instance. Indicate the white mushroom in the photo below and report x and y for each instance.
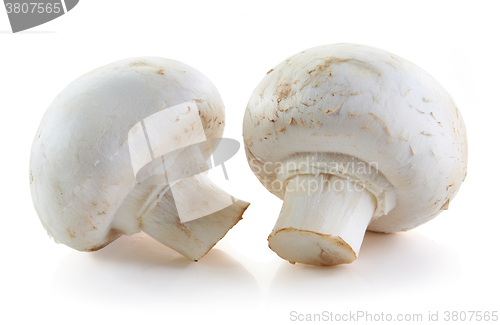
(352, 138)
(94, 173)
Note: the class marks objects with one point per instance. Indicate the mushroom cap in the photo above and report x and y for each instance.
(80, 167)
(366, 105)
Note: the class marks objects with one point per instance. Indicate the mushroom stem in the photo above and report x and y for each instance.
(193, 238)
(323, 220)
(190, 216)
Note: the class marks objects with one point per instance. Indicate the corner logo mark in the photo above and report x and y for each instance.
(28, 14)
(160, 156)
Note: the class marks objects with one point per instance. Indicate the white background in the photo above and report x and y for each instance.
(449, 264)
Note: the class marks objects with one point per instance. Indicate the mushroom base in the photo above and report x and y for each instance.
(308, 247)
(195, 238)
(323, 220)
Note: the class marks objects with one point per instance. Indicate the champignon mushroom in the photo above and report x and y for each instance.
(108, 138)
(352, 138)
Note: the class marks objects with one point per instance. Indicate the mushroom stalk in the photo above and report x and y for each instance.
(194, 238)
(215, 212)
(323, 220)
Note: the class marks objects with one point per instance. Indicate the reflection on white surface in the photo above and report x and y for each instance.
(388, 263)
(138, 270)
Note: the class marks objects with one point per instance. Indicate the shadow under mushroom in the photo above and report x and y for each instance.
(137, 269)
(388, 264)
